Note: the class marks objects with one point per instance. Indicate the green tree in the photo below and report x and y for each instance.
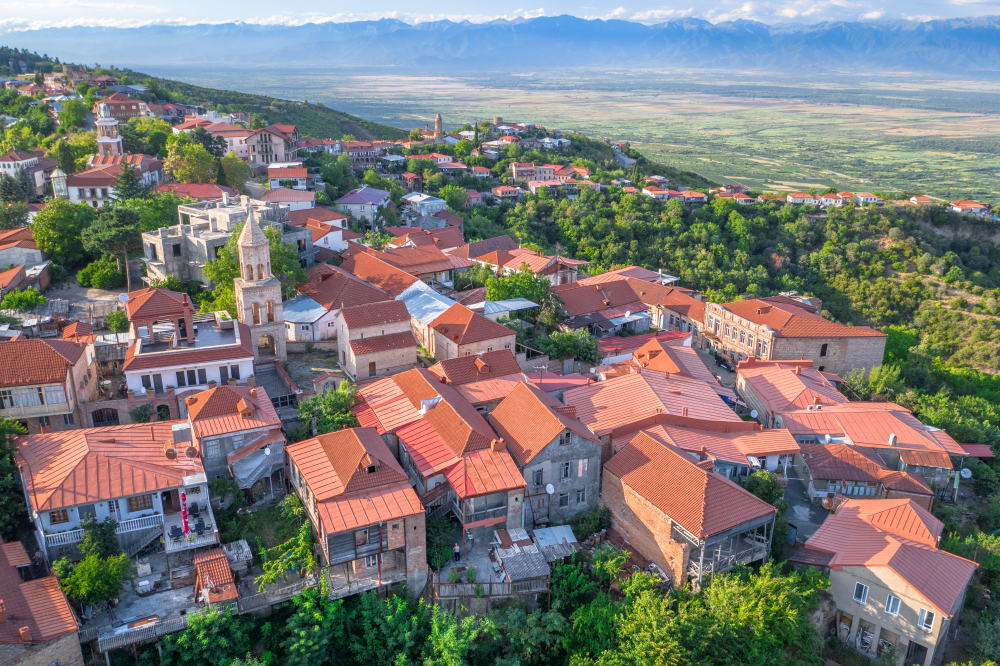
(294, 554)
(99, 538)
(13, 215)
(214, 637)
(450, 639)
(117, 322)
(94, 579)
(129, 185)
(454, 195)
(11, 189)
(766, 486)
(190, 163)
(58, 230)
(571, 584)
(12, 508)
(64, 156)
(415, 134)
(237, 172)
(591, 630)
(23, 300)
(390, 631)
(156, 210)
(377, 239)
(116, 232)
(521, 284)
(316, 630)
(330, 410)
(578, 344)
(73, 113)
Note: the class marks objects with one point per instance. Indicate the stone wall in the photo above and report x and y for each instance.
(64, 650)
(645, 528)
(416, 553)
(842, 354)
(318, 345)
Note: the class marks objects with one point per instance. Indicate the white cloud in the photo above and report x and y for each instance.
(746, 11)
(620, 13)
(657, 15)
(922, 18)
(841, 3)
(878, 13)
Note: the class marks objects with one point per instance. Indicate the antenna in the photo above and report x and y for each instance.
(550, 489)
(753, 414)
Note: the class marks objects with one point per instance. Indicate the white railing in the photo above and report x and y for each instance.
(63, 538)
(143, 523)
(193, 541)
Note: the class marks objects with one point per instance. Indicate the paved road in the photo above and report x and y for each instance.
(626, 162)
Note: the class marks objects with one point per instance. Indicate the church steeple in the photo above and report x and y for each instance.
(254, 250)
(258, 292)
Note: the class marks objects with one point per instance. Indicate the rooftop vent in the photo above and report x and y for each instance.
(892, 439)
(25, 633)
(798, 369)
(180, 433)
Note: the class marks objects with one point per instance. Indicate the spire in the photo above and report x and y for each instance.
(251, 235)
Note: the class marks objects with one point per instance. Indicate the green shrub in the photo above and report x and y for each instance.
(470, 575)
(452, 576)
(23, 300)
(101, 274)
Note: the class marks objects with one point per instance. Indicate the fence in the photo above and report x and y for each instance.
(489, 589)
(131, 636)
(271, 597)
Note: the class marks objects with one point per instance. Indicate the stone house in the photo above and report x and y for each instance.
(892, 586)
(551, 448)
(458, 331)
(368, 521)
(375, 340)
(784, 328)
(688, 520)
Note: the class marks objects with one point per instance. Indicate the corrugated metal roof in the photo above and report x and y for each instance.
(302, 310)
(483, 472)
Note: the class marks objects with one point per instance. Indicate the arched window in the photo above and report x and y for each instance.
(260, 271)
(270, 311)
(822, 350)
(256, 313)
(249, 272)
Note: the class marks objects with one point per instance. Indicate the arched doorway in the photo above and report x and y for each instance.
(265, 346)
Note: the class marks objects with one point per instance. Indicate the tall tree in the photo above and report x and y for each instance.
(12, 508)
(316, 630)
(11, 189)
(237, 172)
(64, 156)
(116, 232)
(13, 215)
(129, 185)
(72, 113)
(58, 229)
(190, 163)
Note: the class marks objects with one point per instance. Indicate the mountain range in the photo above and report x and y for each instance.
(964, 46)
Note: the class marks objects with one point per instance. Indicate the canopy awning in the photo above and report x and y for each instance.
(262, 462)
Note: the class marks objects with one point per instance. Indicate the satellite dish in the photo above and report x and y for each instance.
(753, 414)
(593, 370)
(966, 473)
(123, 298)
(550, 489)
(267, 450)
(628, 313)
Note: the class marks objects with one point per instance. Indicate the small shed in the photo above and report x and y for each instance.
(214, 583)
(239, 555)
(556, 542)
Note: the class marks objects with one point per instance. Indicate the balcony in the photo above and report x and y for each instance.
(174, 538)
(131, 525)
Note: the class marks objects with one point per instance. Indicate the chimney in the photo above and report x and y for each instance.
(798, 369)
(181, 433)
(566, 410)
(684, 410)
(816, 399)
(252, 382)
(498, 445)
(892, 439)
(703, 455)
(225, 198)
(25, 633)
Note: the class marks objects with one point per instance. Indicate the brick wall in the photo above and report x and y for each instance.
(646, 528)
(926, 501)
(65, 650)
(842, 354)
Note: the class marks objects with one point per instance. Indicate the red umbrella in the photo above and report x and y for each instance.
(184, 514)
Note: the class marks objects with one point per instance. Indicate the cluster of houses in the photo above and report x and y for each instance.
(481, 431)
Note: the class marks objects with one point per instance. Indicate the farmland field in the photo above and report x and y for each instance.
(768, 133)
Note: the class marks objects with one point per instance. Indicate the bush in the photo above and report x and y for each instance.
(142, 414)
(470, 575)
(985, 480)
(101, 274)
(452, 576)
(23, 300)
(585, 524)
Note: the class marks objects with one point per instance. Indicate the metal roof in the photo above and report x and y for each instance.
(423, 303)
(302, 310)
(507, 305)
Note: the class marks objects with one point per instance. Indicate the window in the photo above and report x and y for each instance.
(743, 337)
(43, 422)
(202, 376)
(212, 449)
(563, 499)
(536, 478)
(177, 250)
(860, 593)
(8, 399)
(581, 495)
(750, 341)
(192, 377)
(55, 395)
(224, 374)
(31, 397)
(371, 561)
(180, 378)
(892, 605)
(61, 516)
(87, 511)
(67, 419)
(234, 372)
(822, 350)
(581, 467)
(140, 503)
(926, 620)
(305, 327)
(146, 383)
(727, 330)
(764, 348)
(564, 471)
(361, 538)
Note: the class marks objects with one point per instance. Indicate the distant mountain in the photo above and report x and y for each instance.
(953, 46)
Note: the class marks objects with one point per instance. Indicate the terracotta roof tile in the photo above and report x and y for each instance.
(375, 314)
(228, 409)
(637, 272)
(385, 276)
(416, 260)
(467, 369)
(790, 321)
(335, 288)
(788, 385)
(703, 502)
(615, 345)
(721, 440)
(283, 194)
(463, 326)
(580, 299)
(31, 361)
(213, 571)
(899, 535)
(479, 248)
(22, 237)
(383, 343)
(152, 303)
(528, 421)
(483, 472)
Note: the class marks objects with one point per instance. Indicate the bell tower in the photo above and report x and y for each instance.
(258, 293)
(109, 142)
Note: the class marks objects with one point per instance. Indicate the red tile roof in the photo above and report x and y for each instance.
(788, 385)
(383, 343)
(38, 605)
(12, 277)
(375, 314)
(658, 355)
(189, 356)
(299, 218)
(479, 248)
(229, 409)
(725, 441)
(464, 327)
(483, 472)
(32, 361)
(417, 260)
(614, 345)
(287, 172)
(581, 299)
(355, 479)
(898, 535)
(636, 272)
(333, 288)
(528, 421)
(702, 502)
(789, 321)
(152, 303)
(213, 571)
(381, 274)
(20, 237)
(75, 467)
(468, 369)
(283, 195)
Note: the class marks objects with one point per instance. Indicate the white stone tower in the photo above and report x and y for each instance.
(438, 127)
(108, 140)
(258, 293)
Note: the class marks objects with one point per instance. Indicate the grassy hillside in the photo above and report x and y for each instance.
(312, 119)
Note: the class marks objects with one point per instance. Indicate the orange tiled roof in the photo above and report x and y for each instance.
(703, 502)
(659, 356)
(375, 314)
(382, 343)
(213, 571)
(20, 237)
(32, 361)
(299, 218)
(725, 441)
(580, 298)
(789, 321)
(226, 409)
(333, 287)
(788, 385)
(479, 248)
(467, 369)
(528, 421)
(77, 329)
(898, 535)
(12, 276)
(355, 479)
(463, 326)
(75, 467)
(622, 401)
(483, 472)
(417, 260)
(152, 303)
(383, 275)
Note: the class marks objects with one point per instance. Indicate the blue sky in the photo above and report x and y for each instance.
(27, 14)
